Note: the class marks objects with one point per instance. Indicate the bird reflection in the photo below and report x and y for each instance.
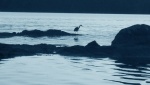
(76, 39)
(76, 30)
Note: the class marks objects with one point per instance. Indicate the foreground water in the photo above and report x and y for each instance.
(62, 70)
(68, 70)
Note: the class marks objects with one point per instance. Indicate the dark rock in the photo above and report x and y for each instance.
(131, 44)
(73, 51)
(37, 33)
(92, 44)
(6, 35)
(95, 49)
(91, 49)
(8, 50)
(133, 36)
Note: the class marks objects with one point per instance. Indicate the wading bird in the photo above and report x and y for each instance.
(77, 28)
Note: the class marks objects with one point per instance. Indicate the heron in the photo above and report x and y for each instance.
(77, 28)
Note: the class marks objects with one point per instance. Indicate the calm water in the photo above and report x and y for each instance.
(68, 70)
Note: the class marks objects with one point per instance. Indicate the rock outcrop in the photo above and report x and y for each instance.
(91, 49)
(37, 33)
(130, 44)
(8, 50)
(92, 44)
(133, 36)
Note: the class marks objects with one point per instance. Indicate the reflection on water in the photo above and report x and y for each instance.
(63, 70)
(99, 27)
(76, 39)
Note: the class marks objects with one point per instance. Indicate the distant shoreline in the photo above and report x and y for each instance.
(72, 13)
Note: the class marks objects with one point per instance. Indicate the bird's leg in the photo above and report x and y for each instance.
(75, 32)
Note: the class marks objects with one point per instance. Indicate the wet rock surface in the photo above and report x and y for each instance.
(8, 50)
(91, 49)
(37, 33)
(131, 44)
(133, 36)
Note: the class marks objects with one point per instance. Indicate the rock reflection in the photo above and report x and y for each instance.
(100, 70)
(131, 74)
(126, 83)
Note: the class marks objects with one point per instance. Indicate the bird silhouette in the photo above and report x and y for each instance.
(77, 28)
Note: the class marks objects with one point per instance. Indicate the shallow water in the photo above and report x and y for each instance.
(68, 70)
(99, 27)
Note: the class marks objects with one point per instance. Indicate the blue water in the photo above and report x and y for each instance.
(68, 70)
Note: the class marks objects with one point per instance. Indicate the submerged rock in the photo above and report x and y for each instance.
(37, 33)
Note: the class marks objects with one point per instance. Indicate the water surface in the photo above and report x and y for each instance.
(99, 27)
(68, 70)
(64, 70)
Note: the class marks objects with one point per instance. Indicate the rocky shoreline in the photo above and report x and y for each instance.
(37, 33)
(130, 44)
